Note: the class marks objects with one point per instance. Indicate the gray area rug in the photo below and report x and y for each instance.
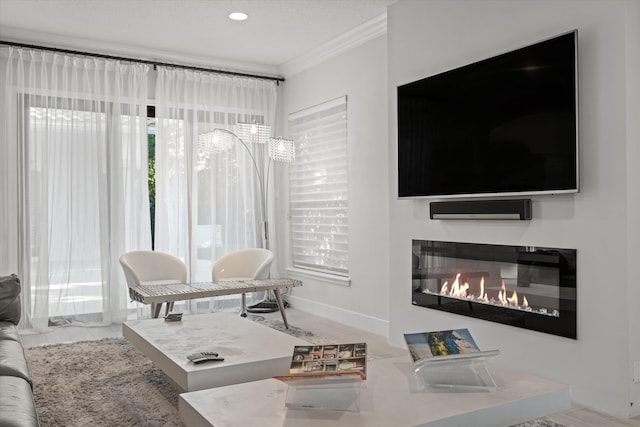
(110, 383)
(100, 383)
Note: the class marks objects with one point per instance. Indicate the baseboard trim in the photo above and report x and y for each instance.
(357, 320)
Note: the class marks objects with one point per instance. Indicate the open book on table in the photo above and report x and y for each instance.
(444, 346)
(328, 360)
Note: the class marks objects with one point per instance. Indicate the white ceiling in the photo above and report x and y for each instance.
(197, 31)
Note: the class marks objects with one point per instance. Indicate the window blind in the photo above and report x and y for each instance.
(318, 185)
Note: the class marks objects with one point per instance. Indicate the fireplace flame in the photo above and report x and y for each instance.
(482, 296)
(462, 291)
(457, 290)
(501, 294)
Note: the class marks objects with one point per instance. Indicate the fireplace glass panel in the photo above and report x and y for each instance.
(529, 287)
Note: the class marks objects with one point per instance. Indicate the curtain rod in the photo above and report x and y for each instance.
(141, 61)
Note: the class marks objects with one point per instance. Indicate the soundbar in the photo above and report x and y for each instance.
(519, 209)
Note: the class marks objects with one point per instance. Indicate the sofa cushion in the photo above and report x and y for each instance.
(9, 331)
(13, 362)
(17, 407)
(10, 298)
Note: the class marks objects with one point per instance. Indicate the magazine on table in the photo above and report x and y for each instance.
(328, 360)
(446, 345)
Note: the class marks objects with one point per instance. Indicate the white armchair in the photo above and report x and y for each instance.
(243, 264)
(153, 268)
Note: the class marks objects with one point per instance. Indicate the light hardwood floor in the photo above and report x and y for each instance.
(577, 416)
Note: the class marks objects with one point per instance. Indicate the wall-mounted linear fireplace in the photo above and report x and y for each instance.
(523, 286)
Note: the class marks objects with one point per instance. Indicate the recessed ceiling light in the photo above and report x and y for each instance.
(238, 16)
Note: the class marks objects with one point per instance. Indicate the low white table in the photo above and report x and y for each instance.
(251, 351)
(391, 398)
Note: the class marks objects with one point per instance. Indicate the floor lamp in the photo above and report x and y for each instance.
(279, 149)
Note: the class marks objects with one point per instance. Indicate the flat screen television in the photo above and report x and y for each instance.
(506, 125)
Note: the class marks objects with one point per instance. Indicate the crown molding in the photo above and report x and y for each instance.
(370, 30)
(20, 35)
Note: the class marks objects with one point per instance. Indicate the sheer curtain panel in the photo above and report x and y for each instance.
(207, 201)
(75, 192)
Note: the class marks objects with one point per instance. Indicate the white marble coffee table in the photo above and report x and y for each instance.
(391, 398)
(251, 351)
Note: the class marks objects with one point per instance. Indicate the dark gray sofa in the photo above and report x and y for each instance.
(17, 407)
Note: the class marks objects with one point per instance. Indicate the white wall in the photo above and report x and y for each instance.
(361, 75)
(633, 186)
(425, 38)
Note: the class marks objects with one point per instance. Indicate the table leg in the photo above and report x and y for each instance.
(276, 292)
(155, 309)
(243, 313)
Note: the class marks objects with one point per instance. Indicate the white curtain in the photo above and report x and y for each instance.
(75, 192)
(208, 204)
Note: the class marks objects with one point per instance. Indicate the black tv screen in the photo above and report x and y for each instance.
(506, 125)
